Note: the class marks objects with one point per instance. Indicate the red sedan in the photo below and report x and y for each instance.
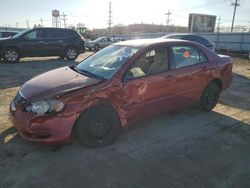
(124, 82)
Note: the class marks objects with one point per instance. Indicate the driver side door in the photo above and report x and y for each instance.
(146, 94)
(33, 44)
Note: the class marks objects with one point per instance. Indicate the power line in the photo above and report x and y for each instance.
(168, 18)
(27, 22)
(218, 26)
(235, 6)
(110, 19)
(41, 20)
(64, 19)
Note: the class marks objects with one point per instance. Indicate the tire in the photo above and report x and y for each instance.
(71, 53)
(97, 127)
(96, 47)
(210, 96)
(11, 55)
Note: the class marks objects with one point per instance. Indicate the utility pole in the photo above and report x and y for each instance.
(235, 6)
(16, 24)
(168, 19)
(28, 26)
(41, 20)
(218, 25)
(110, 19)
(64, 19)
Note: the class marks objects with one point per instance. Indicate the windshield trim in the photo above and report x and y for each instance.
(20, 34)
(86, 73)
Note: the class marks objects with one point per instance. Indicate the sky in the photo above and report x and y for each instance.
(94, 13)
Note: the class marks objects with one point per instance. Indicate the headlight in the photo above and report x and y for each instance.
(45, 107)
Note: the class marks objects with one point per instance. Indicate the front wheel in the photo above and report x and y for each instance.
(11, 55)
(210, 96)
(71, 53)
(97, 127)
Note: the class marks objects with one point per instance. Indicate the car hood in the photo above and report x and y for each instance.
(55, 83)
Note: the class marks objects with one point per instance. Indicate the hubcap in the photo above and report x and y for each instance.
(99, 128)
(71, 53)
(11, 56)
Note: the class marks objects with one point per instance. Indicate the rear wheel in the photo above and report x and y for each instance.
(210, 96)
(71, 53)
(11, 55)
(97, 127)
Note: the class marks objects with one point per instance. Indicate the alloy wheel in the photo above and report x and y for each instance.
(11, 56)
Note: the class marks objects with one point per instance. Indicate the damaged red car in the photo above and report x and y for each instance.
(121, 83)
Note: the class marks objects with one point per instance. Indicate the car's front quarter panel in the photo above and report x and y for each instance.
(49, 129)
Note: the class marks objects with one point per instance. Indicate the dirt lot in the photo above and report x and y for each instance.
(191, 148)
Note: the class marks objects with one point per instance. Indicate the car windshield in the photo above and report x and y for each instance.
(19, 34)
(105, 63)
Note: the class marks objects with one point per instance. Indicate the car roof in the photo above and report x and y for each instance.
(148, 42)
(184, 35)
(55, 28)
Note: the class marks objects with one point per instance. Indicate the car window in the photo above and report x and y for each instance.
(186, 55)
(37, 34)
(63, 33)
(57, 33)
(106, 62)
(31, 35)
(51, 33)
(67, 33)
(197, 39)
(151, 62)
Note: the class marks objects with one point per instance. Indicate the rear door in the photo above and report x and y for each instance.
(192, 72)
(55, 41)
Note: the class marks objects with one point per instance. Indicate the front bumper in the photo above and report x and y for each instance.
(54, 129)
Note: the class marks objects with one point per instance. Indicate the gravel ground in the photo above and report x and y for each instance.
(190, 148)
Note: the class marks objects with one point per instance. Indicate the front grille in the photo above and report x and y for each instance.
(20, 100)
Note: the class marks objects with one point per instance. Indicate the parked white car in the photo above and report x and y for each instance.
(100, 42)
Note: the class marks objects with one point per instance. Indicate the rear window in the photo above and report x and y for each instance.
(58, 33)
(183, 56)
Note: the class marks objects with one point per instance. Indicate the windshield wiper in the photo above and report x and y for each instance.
(87, 73)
